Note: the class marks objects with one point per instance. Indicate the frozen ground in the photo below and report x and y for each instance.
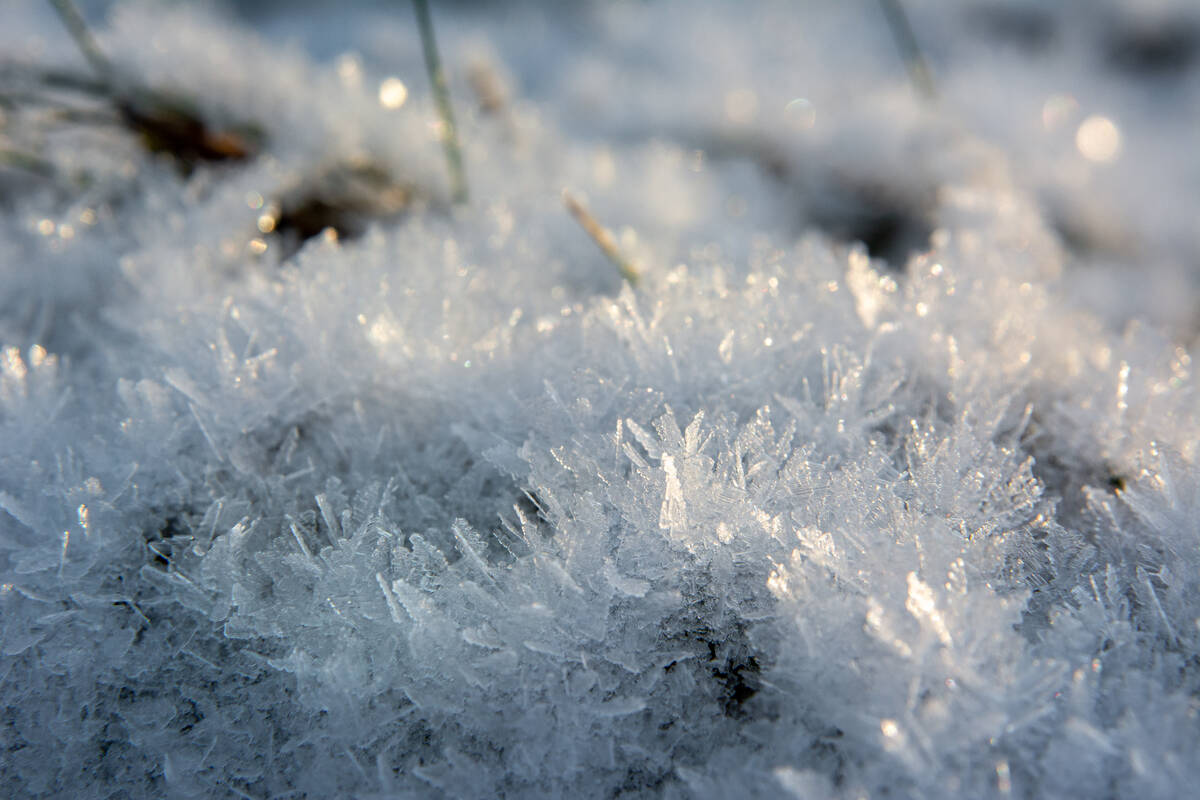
(882, 482)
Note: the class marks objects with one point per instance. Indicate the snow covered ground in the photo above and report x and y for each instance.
(881, 482)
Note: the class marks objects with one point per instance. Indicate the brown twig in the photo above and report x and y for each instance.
(602, 237)
(165, 122)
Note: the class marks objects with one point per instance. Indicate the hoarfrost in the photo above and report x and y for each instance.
(883, 481)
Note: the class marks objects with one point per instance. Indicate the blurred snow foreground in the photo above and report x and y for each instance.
(881, 483)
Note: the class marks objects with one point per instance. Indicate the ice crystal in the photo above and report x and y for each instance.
(881, 482)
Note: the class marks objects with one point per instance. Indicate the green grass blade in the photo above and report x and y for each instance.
(441, 95)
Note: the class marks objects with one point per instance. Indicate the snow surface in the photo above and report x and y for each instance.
(447, 510)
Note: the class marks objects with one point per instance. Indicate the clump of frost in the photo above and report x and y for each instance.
(857, 494)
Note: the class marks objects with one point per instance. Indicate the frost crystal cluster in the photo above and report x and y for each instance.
(882, 482)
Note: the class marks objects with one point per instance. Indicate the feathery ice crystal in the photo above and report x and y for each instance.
(883, 482)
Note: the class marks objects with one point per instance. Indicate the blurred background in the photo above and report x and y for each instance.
(838, 113)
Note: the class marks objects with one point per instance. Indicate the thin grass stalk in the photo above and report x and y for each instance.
(906, 41)
(78, 28)
(441, 95)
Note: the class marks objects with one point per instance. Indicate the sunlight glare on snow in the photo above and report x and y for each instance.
(268, 219)
(383, 332)
(15, 366)
(392, 93)
(1098, 139)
